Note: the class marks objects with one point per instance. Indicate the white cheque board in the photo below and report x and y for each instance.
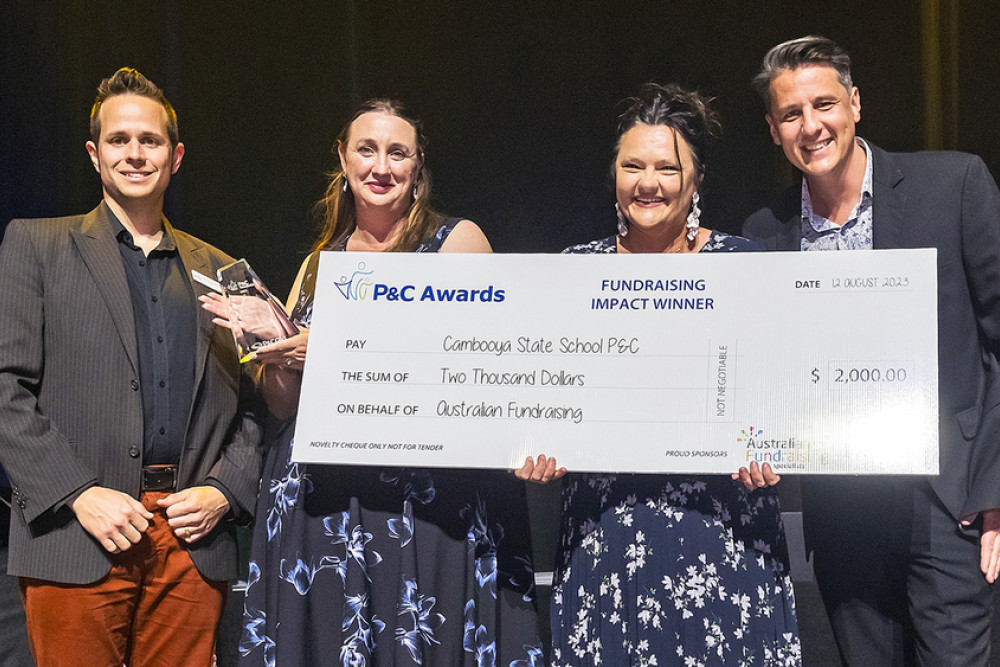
(813, 362)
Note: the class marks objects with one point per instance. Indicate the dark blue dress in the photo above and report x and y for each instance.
(384, 566)
(671, 569)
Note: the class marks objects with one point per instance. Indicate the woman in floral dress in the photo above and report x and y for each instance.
(670, 569)
(369, 565)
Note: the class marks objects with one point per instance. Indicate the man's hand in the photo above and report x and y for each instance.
(757, 476)
(115, 519)
(989, 544)
(541, 471)
(194, 512)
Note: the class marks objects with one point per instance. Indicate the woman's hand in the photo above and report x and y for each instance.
(218, 306)
(540, 471)
(757, 476)
(289, 353)
(249, 313)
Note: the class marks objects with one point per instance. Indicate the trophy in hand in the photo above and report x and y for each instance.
(256, 318)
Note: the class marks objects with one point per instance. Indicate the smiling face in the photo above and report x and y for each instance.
(133, 154)
(381, 161)
(812, 118)
(655, 178)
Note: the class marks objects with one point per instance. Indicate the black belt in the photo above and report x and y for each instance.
(159, 478)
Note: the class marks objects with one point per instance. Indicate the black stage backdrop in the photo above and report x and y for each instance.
(518, 99)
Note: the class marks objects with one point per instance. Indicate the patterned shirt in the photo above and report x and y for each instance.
(818, 233)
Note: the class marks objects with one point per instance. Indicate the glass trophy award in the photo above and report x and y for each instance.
(256, 318)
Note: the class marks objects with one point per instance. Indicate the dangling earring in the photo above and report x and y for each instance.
(344, 187)
(692, 222)
(414, 192)
(622, 222)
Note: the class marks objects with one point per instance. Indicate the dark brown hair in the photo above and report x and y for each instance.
(686, 112)
(128, 81)
(795, 53)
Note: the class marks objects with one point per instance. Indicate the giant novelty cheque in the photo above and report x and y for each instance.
(812, 362)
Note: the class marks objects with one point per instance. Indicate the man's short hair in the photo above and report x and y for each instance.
(128, 81)
(795, 53)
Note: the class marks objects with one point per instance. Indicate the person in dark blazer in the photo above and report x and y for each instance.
(904, 565)
(126, 424)
(13, 639)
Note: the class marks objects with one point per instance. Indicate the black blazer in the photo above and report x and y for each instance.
(70, 406)
(948, 201)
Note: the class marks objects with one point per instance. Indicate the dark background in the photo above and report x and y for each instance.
(518, 99)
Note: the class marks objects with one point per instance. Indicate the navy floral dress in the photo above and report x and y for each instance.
(360, 566)
(663, 570)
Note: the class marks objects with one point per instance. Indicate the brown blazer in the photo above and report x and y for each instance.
(70, 405)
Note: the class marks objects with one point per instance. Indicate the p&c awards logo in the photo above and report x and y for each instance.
(358, 286)
(361, 286)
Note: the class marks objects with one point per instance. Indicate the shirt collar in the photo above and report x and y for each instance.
(123, 235)
(818, 222)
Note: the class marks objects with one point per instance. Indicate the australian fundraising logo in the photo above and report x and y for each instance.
(362, 286)
(782, 454)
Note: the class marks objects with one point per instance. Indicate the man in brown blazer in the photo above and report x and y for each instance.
(125, 422)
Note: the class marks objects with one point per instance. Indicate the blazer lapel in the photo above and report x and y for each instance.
(99, 251)
(887, 201)
(194, 256)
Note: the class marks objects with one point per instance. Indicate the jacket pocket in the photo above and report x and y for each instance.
(968, 421)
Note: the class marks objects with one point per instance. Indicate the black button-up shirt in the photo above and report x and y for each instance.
(166, 321)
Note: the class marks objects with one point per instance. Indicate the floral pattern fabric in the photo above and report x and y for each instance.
(818, 233)
(671, 569)
(360, 566)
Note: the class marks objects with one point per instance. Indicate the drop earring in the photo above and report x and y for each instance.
(693, 223)
(622, 222)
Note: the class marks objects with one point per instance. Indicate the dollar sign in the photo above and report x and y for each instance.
(815, 375)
